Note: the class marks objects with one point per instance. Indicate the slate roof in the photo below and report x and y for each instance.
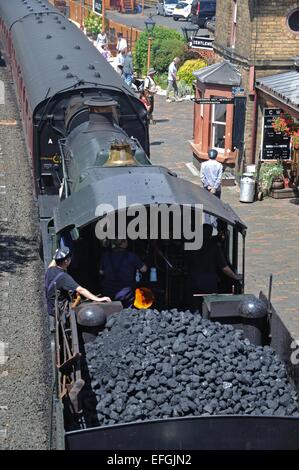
(284, 86)
(222, 73)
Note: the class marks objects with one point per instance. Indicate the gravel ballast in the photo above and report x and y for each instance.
(147, 364)
(26, 371)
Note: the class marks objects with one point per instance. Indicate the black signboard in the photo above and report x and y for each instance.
(202, 43)
(275, 144)
(239, 122)
(97, 6)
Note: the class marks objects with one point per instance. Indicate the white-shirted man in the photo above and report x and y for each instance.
(121, 43)
(172, 79)
(211, 174)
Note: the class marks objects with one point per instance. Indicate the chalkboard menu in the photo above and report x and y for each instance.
(275, 145)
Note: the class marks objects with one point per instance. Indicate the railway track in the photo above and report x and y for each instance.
(25, 361)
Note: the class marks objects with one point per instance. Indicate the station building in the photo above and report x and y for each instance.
(256, 44)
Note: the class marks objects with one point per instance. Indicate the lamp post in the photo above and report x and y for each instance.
(189, 33)
(103, 16)
(82, 15)
(150, 25)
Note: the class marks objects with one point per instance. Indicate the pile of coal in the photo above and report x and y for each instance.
(151, 365)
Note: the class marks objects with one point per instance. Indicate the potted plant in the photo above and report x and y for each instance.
(269, 175)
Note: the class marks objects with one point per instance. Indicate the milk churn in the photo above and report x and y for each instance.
(247, 188)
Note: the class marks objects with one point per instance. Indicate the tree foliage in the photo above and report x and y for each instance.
(165, 54)
(165, 45)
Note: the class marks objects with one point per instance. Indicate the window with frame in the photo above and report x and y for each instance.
(234, 24)
(293, 21)
(218, 126)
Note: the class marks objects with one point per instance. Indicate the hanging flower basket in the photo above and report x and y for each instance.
(287, 125)
(295, 140)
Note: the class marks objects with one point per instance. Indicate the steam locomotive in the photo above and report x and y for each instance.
(87, 135)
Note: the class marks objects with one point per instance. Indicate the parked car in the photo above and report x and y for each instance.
(182, 11)
(166, 7)
(202, 10)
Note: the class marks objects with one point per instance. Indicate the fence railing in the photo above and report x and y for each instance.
(78, 12)
(129, 33)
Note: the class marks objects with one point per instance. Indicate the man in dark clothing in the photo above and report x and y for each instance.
(57, 274)
(118, 268)
(205, 264)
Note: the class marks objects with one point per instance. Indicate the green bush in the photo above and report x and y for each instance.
(166, 44)
(185, 73)
(165, 54)
(184, 89)
(161, 80)
(93, 23)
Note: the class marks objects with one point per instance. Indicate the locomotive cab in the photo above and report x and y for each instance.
(168, 264)
(166, 235)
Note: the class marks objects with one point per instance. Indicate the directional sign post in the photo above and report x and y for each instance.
(214, 100)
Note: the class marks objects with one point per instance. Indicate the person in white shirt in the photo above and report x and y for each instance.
(211, 174)
(120, 60)
(121, 43)
(172, 79)
(102, 40)
(150, 89)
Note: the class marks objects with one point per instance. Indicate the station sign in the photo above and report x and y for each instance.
(214, 100)
(198, 42)
(275, 145)
(97, 6)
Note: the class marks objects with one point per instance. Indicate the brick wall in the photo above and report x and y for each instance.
(272, 38)
(223, 22)
(263, 40)
(262, 29)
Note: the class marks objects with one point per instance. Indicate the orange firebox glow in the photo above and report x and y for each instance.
(144, 298)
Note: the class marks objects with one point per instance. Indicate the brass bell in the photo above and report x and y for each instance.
(120, 155)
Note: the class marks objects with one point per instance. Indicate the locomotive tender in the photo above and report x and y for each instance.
(87, 136)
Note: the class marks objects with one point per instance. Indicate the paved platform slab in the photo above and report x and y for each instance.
(273, 224)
